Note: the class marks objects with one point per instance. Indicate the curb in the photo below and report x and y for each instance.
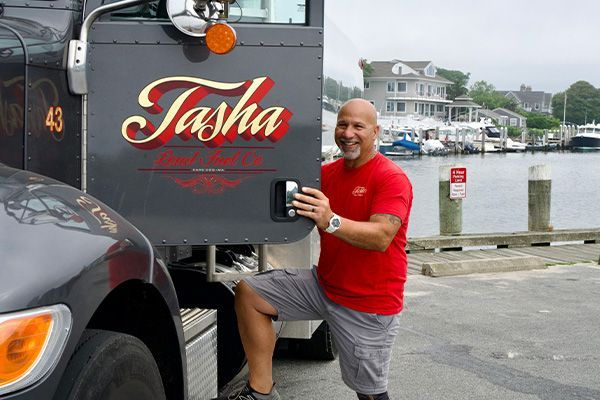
(483, 265)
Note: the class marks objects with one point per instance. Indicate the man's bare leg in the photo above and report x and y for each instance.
(258, 337)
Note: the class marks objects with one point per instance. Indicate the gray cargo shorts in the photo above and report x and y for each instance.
(364, 340)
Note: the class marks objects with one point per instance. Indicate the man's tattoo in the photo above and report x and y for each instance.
(392, 218)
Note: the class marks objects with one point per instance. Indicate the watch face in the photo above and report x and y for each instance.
(335, 222)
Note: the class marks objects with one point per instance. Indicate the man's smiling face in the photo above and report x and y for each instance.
(356, 131)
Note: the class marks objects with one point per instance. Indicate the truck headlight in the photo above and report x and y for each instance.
(31, 342)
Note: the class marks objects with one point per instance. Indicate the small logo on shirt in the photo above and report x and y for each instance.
(359, 191)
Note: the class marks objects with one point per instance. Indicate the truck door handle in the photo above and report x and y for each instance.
(282, 195)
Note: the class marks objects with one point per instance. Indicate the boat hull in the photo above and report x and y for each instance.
(585, 143)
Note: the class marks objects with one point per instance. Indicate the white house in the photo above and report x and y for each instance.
(400, 88)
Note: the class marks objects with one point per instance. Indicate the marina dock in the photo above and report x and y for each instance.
(471, 253)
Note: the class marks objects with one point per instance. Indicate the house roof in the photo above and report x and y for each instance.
(490, 114)
(529, 96)
(464, 101)
(383, 69)
(418, 65)
(504, 111)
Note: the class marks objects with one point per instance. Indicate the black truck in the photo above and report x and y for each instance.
(148, 154)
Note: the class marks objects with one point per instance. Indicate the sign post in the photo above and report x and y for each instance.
(452, 189)
(458, 183)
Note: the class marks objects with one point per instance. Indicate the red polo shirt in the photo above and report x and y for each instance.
(365, 280)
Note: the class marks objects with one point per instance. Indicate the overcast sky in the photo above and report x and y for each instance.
(548, 44)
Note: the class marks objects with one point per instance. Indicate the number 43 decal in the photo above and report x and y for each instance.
(54, 119)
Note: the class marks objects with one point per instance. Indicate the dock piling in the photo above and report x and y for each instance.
(450, 210)
(539, 188)
(482, 133)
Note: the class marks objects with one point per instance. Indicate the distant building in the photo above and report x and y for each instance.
(511, 118)
(530, 100)
(400, 88)
(462, 108)
(496, 118)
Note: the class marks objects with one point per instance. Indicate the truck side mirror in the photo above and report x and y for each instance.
(194, 18)
(78, 49)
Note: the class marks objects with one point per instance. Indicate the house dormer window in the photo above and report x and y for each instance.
(430, 70)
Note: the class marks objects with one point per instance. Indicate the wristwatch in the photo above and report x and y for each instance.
(334, 224)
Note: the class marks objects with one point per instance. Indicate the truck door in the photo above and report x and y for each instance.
(40, 121)
(199, 148)
(12, 97)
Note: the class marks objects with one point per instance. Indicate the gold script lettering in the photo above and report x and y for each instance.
(212, 126)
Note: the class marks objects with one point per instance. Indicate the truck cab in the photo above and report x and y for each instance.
(149, 151)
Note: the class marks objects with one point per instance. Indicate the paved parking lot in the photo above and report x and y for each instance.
(518, 335)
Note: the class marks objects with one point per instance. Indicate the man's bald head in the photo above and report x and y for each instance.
(363, 106)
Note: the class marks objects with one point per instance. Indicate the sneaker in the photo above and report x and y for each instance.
(246, 393)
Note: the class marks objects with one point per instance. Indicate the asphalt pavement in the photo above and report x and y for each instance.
(513, 335)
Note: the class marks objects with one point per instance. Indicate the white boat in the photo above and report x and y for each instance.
(587, 138)
(493, 138)
(461, 137)
(397, 142)
(434, 147)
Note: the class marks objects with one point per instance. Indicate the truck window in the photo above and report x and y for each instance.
(268, 11)
(12, 98)
(243, 11)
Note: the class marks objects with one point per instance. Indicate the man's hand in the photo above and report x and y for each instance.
(313, 204)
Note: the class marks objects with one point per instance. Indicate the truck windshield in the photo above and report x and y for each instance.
(243, 11)
(268, 11)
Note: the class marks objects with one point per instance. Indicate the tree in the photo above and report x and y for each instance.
(331, 88)
(367, 68)
(541, 121)
(583, 103)
(485, 94)
(459, 79)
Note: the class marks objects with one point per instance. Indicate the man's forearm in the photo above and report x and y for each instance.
(375, 234)
(366, 235)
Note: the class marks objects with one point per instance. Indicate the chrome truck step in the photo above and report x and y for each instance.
(200, 332)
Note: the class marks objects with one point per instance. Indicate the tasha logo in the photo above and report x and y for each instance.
(359, 191)
(212, 126)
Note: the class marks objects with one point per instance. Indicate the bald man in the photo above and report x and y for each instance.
(362, 213)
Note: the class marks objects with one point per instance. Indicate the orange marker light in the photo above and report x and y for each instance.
(220, 38)
(21, 343)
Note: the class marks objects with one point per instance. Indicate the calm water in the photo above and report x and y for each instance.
(497, 191)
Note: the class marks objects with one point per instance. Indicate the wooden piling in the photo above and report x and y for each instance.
(482, 133)
(450, 210)
(539, 188)
(561, 138)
